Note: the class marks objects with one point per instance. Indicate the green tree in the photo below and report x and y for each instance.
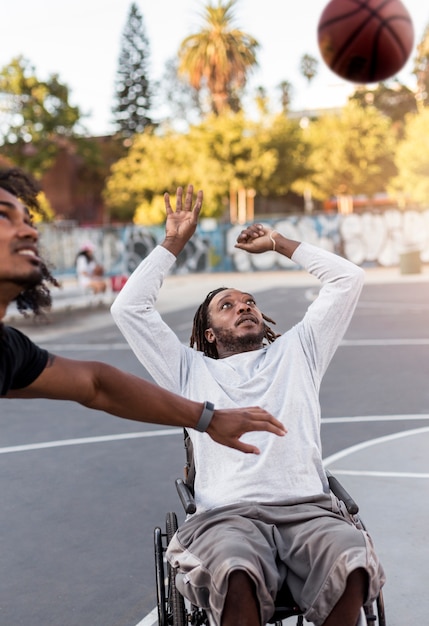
(286, 91)
(219, 57)
(308, 66)
(240, 149)
(222, 155)
(131, 111)
(37, 118)
(352, 153)
(286, 138)
(156, 164)
(411, 185)
(153, 165)
(393, 99)
(262, 101)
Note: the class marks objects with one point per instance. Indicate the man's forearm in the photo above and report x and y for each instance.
(133, 398)
(283, 245)
(174, 245)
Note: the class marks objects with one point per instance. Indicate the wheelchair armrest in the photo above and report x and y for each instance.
(342, 494)
(186, 497)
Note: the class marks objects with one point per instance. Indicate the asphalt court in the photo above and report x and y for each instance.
(388, 474)
(389, 479)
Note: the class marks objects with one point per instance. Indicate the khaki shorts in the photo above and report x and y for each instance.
(314, 546)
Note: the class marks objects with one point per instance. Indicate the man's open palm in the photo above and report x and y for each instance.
(182, 222)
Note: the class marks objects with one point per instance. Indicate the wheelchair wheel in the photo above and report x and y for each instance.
(380, 610)
(375, 617)
(175, 601)
(159, 574)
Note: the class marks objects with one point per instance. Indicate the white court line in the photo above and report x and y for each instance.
(392, 306)
(355, 343)
(380, 474)
(82, 347)
(346, 343)
(83, 440)
(376, 418)
(150, 619)
(174, 431)
(372, 442)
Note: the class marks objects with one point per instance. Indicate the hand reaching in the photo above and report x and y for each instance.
(228, 425)
(181, 223)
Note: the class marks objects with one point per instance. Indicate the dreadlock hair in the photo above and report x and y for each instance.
(19, 184)
(201, 323)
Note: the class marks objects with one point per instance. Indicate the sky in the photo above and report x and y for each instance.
(80, 41)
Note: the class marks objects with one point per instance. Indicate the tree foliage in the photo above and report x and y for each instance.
(352, 153)
(411, 185)
(286, 92)
(37, 118)
(421, 70)
(309, 66)
(131, 111)
(393, 99)
(153, 165)
(292, 150)
(221, 154)
(219, 57)
(46, 213)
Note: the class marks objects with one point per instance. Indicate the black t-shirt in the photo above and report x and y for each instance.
(21, 361)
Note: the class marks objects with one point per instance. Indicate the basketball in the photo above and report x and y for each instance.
(365, 41)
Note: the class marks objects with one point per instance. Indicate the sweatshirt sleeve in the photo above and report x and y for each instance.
(328, 317)
(155, 345)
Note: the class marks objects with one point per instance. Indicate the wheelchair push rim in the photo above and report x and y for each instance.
(170, 603)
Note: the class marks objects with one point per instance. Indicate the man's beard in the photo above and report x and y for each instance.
(27, 282)
(30, 280)
(236, 344)
(29, 285)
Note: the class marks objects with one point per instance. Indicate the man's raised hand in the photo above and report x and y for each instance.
(182, 222)
(255, 238)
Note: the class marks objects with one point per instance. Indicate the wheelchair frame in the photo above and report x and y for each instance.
(174, 610)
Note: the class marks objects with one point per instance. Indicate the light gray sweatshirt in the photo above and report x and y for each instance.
(283, 378)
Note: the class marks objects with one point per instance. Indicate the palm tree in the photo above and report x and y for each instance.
(308, 66)
(219, 57)
(286, 90)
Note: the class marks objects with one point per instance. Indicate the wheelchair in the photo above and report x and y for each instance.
(175, 610)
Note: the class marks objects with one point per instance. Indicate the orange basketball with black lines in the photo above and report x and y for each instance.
(365, 41)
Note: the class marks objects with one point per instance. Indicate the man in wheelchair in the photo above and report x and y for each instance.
(260, 519)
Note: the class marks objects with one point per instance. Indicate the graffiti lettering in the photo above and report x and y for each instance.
(364, 238)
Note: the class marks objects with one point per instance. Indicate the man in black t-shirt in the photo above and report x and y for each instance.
(28, 371)
(21, 361)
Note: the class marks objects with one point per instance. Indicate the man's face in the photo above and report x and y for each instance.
(236, 323)
(20, 265)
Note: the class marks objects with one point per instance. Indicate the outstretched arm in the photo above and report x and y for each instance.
(181, 223)
(103, 387)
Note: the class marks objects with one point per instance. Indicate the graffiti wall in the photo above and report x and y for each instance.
(365, 239)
